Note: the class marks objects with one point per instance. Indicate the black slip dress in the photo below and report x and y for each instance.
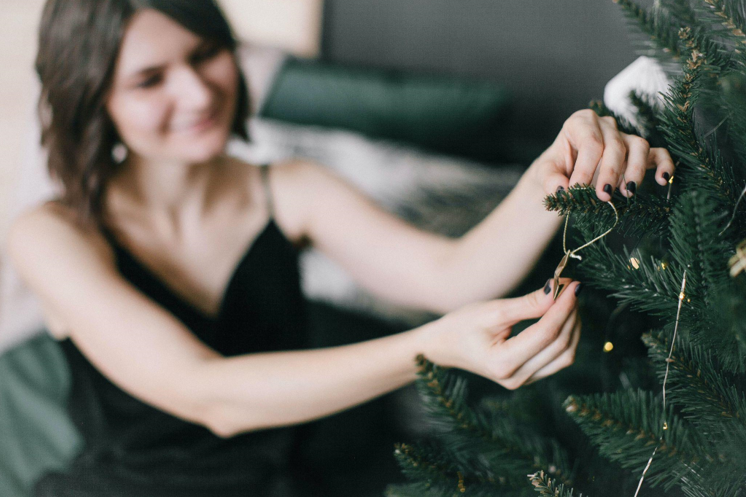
(134, 449)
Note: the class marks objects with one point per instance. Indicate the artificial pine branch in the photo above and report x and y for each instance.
(681, 11)
(646, 118)
(627, 426)
(644, 213)
(731, 17)
(661, 34)
(546, 487)
(677, 122)
(696, 245)
(647, 286)
(487, 440)
(731, 99)
(709, 398)
(729, 304)
(522, 406)
(703, 450)
(429, 465)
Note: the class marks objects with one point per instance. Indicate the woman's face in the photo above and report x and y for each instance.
(173, 95)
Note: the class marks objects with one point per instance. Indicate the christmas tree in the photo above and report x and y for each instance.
(665, 348)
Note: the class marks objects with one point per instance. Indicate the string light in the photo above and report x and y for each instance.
(608, 347)
(665, 380)
(670, 185)
(635, 263)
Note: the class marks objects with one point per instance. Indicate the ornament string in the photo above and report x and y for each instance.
(665, 379)
(735, 210)
(573, 253)
(564, 236)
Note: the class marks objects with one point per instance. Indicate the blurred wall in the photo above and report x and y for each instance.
(555, 56)
(294, 25)
(18, 21)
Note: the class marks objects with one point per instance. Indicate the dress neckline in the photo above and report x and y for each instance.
(178, 296)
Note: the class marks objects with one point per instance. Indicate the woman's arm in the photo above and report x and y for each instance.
(150, 354)
(414, 268)
(496, 255)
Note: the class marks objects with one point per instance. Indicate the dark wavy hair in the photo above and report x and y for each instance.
(79, 43)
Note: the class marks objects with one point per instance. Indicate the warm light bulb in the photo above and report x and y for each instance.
(664, 265)
(635, 262)
(608, 346)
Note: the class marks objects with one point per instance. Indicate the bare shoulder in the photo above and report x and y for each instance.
(48, 233)
(299, 171)
(297, 186)
(305, 183)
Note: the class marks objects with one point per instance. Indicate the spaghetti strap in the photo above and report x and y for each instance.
(267, 190)
(108, 235)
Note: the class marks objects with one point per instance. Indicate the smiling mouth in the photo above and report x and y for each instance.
(201, 125)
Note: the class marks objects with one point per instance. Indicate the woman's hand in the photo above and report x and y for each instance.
(476, 337)
(590, 150)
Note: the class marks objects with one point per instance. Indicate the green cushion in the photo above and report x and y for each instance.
(444, 114)
(35, 430)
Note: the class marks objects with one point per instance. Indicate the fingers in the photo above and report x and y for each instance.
(519, 349)
(612, 163)
(587, 137)
(548, 355)
(599, 154)
(530, 306)
(555, 179)
(660, 159)
(641, 157)
(565, 359)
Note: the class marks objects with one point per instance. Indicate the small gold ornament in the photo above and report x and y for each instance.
(560, 283)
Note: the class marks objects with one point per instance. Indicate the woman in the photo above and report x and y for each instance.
(171, 279)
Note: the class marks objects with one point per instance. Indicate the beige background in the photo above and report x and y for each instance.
(294, 25)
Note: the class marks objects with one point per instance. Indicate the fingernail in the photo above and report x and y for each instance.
(607, 189)
(548, 287)
(666, 176)
(631, 187)
(560, 188)
(578, 288)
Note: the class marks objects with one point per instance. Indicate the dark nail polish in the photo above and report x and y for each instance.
(607, 189)
(578, 288)
(560, 189)
(666, 176)
(631, 187)
(548, 287)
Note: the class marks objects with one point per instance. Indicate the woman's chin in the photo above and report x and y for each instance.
(201, 153)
